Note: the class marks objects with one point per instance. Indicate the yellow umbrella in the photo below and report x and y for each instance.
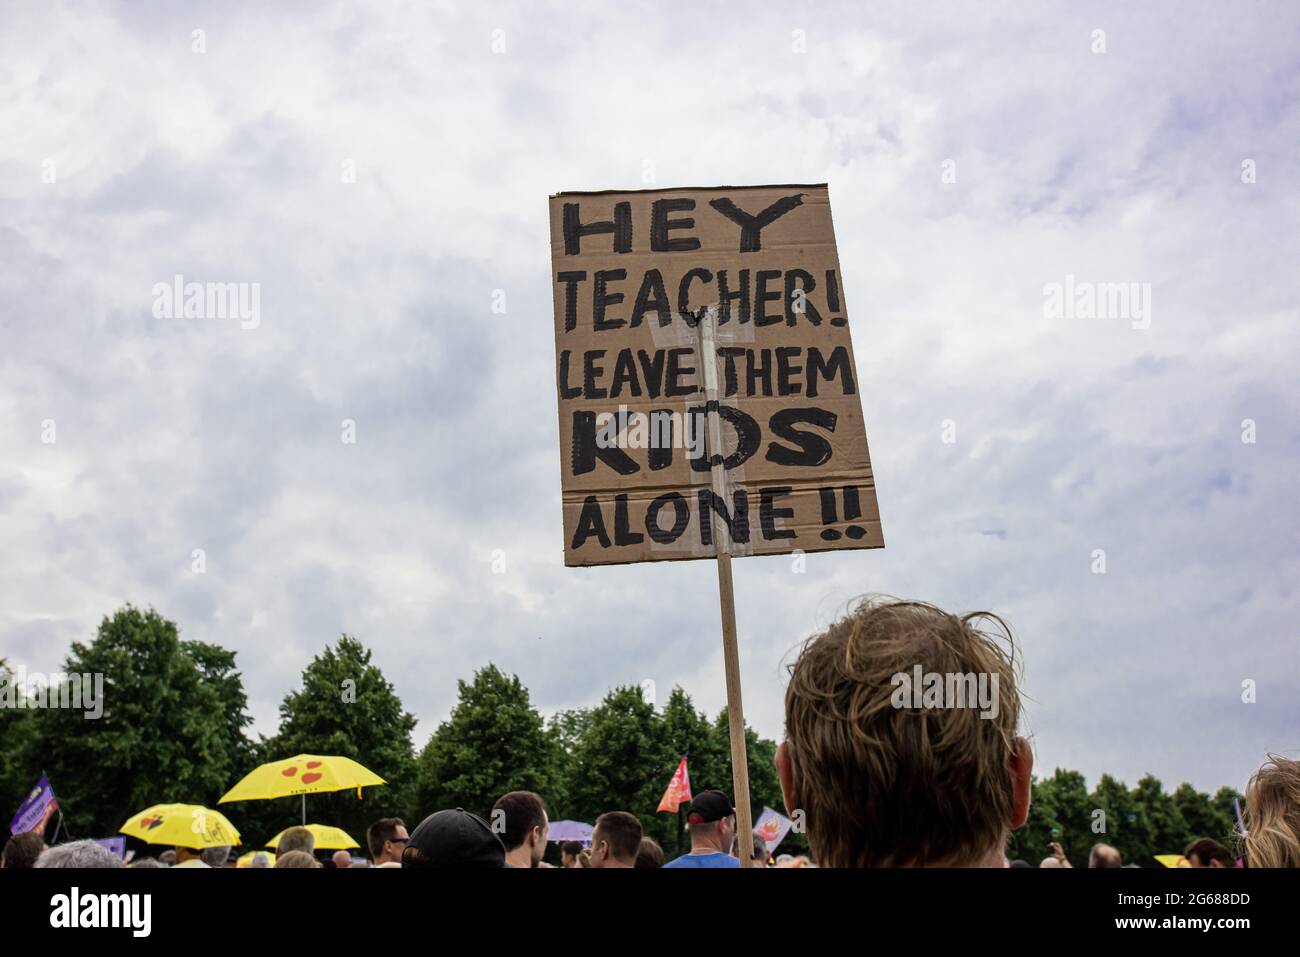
(182, 825)
(302, 774)
(246, 860)
(327, 838)
(1173, 860)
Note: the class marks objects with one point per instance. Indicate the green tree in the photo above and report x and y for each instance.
(684, 733)
(346, 707)
(616, 762)
(17, 729)
(1066, 794)
(1202, 817)
(1126, 829)
(494, 742)
(1167, 828)
(171, 728)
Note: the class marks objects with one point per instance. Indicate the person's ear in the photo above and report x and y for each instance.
(1022, 771)
(785, 771)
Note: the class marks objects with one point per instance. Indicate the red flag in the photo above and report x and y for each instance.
(679, 790)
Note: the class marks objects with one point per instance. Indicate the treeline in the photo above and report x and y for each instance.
(175, 720)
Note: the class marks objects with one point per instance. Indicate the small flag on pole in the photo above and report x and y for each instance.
(772, 828)
(679, 790)
(36, 811)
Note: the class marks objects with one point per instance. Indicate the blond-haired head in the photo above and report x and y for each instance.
(1273, 814)
(884, 783)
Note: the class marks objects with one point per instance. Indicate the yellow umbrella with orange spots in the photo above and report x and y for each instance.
(302, 774)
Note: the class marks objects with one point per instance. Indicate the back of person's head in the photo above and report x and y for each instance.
(381, 832)
(1206, 852)
(518, 813)
(145, 863)
(1103, 855)
(649, 854)
(168, 857)
(453, 838)
(891, 774)
(571, 849)
(1050, 862)
(342, 859)
(1273, 815)
(711, 819)
(617, 834)
(293, 859)
(759, 854)
(215, 856)
(296, 839)
(78, 854)
(260, 859)
(22, 850)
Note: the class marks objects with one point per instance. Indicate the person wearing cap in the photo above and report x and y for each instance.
(453, 838)
(712, 821)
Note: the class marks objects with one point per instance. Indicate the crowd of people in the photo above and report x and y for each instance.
(876, 783)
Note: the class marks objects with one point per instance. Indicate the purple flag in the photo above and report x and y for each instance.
(115, 844)
(36, 811)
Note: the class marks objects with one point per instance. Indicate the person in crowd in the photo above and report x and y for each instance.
(1058, 858)
(569, 852)
(216, 856)
(1018, 863)
(649, 854)
(189, 857)
(1272, 815)
(168, 857)
(78, 854)
(885, 778)
(22, 850)
(296, 859)
(296, 839)
(615, 840)
(584, 857)
(519, 819)
(260, 859)
(386, 839)
(454, 838)
(146, 863)
(1207, 852)
(758, 856)
(712, 823)
(1103, 855)
(341, 859)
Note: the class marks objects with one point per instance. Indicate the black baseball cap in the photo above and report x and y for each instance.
(709, 806)
(454, 838)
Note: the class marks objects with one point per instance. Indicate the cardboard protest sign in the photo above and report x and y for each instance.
(647, 286)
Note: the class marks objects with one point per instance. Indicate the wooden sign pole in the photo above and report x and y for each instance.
(722, 545)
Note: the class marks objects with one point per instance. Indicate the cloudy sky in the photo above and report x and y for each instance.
(975, 154)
